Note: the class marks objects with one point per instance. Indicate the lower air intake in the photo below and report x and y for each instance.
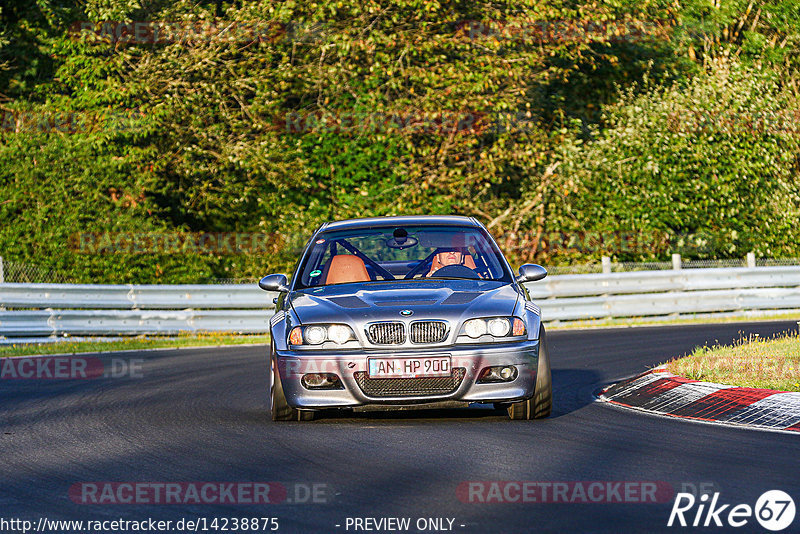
(410, 387)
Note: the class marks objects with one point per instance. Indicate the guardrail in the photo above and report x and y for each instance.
(135, 297)
(662, 293)
(32, 323)
(57, 309)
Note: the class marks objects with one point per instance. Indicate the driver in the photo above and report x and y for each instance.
(452, 256)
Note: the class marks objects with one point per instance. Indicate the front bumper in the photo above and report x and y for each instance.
(351, 366)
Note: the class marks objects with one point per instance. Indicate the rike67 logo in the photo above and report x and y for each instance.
(774, 510)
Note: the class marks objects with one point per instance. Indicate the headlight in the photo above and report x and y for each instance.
(314, 335)
(497, 327)
(339, 333)
(475, 327)
(317, 334)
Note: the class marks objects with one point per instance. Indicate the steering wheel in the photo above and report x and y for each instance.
(456, 271)
(419, 268)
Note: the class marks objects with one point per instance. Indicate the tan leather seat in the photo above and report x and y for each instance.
(345, 268)
(436, 264)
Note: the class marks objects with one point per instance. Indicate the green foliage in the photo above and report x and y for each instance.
(712, 166)
(327, 110)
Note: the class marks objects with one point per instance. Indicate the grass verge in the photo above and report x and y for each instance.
(772, 363)
(668, 321)
(133, 343)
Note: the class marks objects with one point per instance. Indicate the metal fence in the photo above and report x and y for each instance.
(13, 271)
(28, 310)
(29, 273)
(668, 293)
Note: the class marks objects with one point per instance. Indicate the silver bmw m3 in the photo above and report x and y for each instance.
(401, 311)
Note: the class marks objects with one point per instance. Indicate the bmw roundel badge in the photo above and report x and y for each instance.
(406, 313)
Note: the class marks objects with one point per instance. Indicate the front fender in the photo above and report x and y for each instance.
(280, 323)
(532, 315)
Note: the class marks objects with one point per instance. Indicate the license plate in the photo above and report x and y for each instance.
(409, 367)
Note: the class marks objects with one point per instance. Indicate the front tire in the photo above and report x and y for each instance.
(540, 404)
(278, 407)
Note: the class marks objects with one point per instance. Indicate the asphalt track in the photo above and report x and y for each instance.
(200, 415)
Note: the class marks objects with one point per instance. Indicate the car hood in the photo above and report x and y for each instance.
(451, 300)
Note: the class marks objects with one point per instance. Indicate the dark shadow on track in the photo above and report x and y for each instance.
(422, 414)
(572, 390)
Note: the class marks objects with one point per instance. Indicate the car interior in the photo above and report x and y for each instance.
(364, 258)
(347, 268)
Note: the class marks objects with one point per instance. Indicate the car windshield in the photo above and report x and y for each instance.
(401, 253)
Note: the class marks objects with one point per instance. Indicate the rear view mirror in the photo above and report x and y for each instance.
(274, 282)
(530, 272)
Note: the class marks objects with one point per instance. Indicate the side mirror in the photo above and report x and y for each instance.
(274, 282)
(530, 272)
